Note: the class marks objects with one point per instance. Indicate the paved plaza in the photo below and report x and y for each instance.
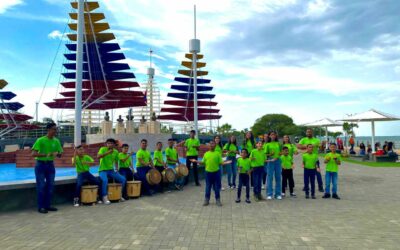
(367, 217)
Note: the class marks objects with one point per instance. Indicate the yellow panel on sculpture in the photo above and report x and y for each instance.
(190, 56)
(97, 27)
(89, 6)
(100, 37)
(3, 83)
(190, 72)
(94, 17)
(190, 64)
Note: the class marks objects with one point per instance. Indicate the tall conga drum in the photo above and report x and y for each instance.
(153, 177)
(168, 175)
(181, 170)
(89, 194)
(133, 188)
(114, 191)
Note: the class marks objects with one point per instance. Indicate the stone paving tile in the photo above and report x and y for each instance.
(367, 217)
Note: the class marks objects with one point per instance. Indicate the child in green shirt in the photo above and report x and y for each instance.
(82, 162)
(332, 160)
(310, 169)
(172, 160)
(244, 166)
(287, 171)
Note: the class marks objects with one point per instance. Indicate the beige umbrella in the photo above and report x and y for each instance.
(372, 116)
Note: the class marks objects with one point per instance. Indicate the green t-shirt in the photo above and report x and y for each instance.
(45, 145)
(292, 148)
(231, 148)
(189, 143)
(157, 158)
(218, 149)
(286, 161)
(145, 156)
(259, 156)
(244, 165)
(80, 165)
(310, 160)
(172, 154)
(314, 141)
(273, 147)
(127, 163)
(212, 160)
(107, 162)
(249, 146)
(332, 166)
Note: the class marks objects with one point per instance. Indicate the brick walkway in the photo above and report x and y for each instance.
(367, 217)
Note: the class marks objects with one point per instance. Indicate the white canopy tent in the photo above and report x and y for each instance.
(326, 122)
(372, 116)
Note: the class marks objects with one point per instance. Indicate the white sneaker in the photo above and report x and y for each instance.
(279, 197)
(283, 194)
(269, 197)
(122, 199)
(222, 189)
(76, 202)
(99, 202)
(263, 187)
(106, 201)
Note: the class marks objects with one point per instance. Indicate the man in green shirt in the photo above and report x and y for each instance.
(44, 150)
(315, 142)
(143, 165)
(108, 156)
(159, 164)
(332, 160)
(82, 162)
(125, 167)
(192, 146)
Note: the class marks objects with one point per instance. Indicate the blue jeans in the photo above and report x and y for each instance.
(309, 177)
(127, 173)
(104, 175)
(213, 180)
(331, 176)
(257, 179)
(141, 174)
(85, 176)
(274, 168)
(45, 173)
(231, 171)
(243, 181)
(178, 181)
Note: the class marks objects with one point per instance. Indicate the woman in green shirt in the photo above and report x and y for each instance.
(274, 168)
(231, 150)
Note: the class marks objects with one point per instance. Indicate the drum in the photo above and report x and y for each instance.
(168, 175)
(181, 170)
(153, 177)
(114, 191)
(133, 188)
(89, 194)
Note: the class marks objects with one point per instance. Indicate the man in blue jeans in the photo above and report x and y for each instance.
(44, 150)
(108, 156)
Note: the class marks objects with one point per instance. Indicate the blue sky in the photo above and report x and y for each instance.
(307, 59)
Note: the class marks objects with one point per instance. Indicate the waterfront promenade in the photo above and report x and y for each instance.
(367, 217)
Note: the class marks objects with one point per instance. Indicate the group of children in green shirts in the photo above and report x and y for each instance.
(118, 167)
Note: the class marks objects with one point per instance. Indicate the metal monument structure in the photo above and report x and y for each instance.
(96, 80)
(192, 103)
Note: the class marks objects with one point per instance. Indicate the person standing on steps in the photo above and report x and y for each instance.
(192, 146)
(45, 149)
(310, 139)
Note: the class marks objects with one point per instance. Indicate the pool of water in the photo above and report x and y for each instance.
(10, 173)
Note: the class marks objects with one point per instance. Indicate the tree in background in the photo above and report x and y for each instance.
(280, 123)
(225, 129)
(348, 129)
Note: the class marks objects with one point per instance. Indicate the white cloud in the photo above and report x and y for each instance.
(8, 4)
(317, 8)
(56, 34)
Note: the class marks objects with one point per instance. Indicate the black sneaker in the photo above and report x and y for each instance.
(313, 197)
(198, 184)
(42, 211)
(335, 196)
(321, 189)
(293, 195)
(52, 209)
(256, 198)
(248, 201)
(326, 196)
(307, 196)
(237, 200)
(218, 202)
(206, 202)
